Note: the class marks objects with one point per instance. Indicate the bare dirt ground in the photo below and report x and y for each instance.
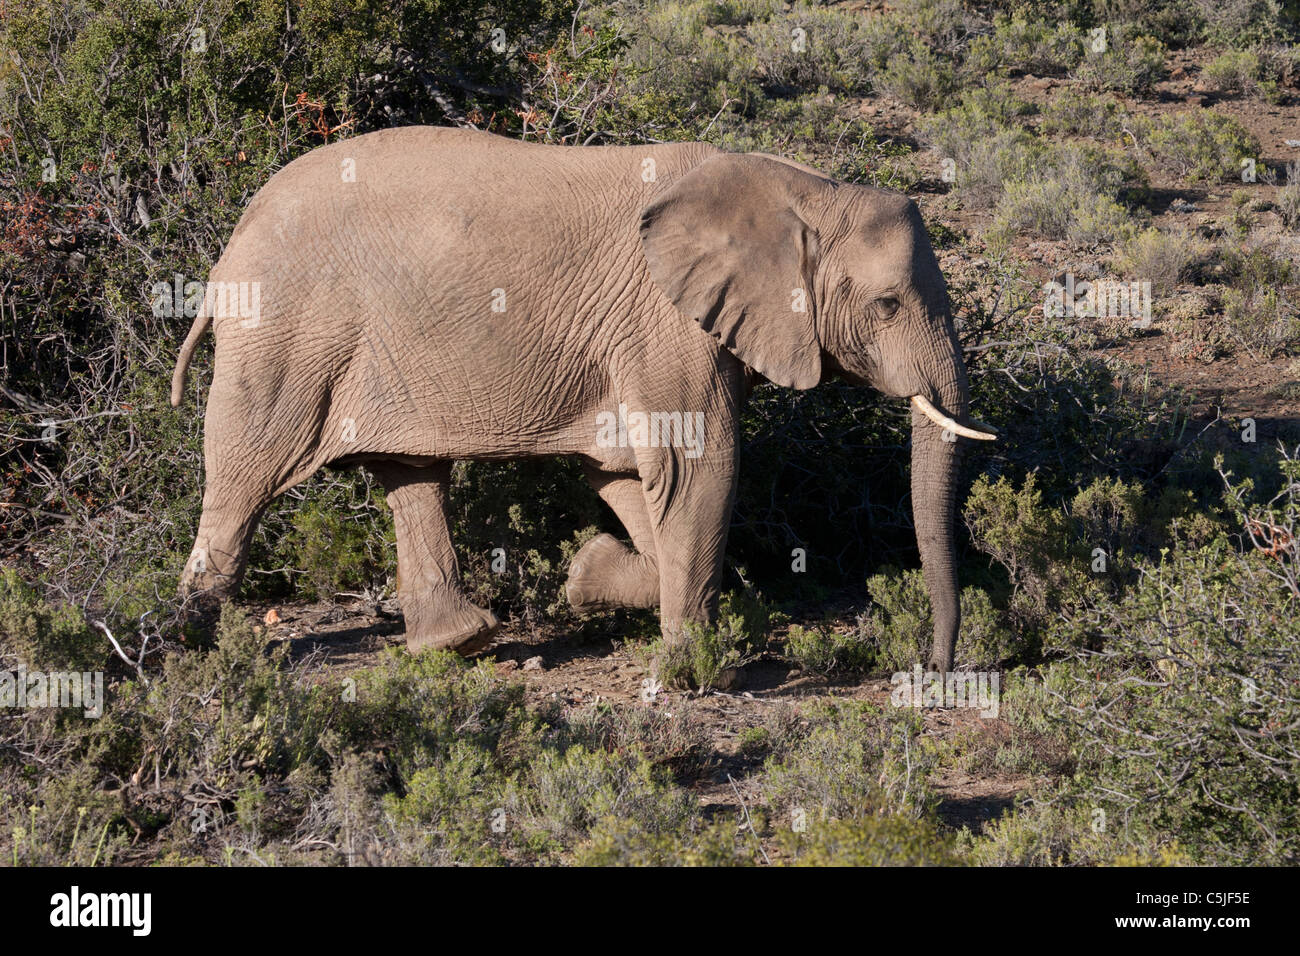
(552, 665)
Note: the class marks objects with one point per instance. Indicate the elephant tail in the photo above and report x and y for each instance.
(201, 323)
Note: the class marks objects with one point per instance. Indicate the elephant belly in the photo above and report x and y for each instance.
(436, 398)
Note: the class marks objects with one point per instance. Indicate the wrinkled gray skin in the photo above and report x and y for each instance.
(665, 278)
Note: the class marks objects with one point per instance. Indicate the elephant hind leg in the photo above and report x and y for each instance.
(216, 563)
(606, 573)
(437, 612)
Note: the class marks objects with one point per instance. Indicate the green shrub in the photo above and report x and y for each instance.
(337, 550)
(855, 761)
(1196, 659)
(42, 637)
(1026, 46)
(1279, 67)
(1130, 64)
(882, 38)
(1243, 22)
(539, 513)
(1199, 146)
(675, 75)
(1162, 257)
(419, 707)
(1288, 198)
(1052, 834)
(69, 821)
(1253, 269)
(824, 650)
(448, 810)
(1263, 323)
(735, 12)
(981, 112)
(619, 841)
(754, 740)
(564, 796)
(944, 26)
(831, 52)
(1050, 555)
(918, 78)
(872, 841)
(985, 165)
(1075, 194)
(705, 657)
(1258, 315)
(239, 752)
(1080, 113)
(1176, 22)
(874, 161)
(987, 749)
(674, 737)
(1181, 721)
(1236, 71)
(1056, 208)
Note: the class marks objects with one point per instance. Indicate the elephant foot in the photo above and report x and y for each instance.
(939, 662)
(449, 624)
(201, 581)
(202, 591)
(607, 574)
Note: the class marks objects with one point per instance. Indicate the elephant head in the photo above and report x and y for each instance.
(802, 278)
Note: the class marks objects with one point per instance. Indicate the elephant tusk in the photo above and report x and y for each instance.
(943, 421)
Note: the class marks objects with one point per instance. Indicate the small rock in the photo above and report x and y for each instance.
(1177, 73)
(272, 617)
(533, 664)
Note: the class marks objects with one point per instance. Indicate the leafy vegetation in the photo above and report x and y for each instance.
(1128, 558)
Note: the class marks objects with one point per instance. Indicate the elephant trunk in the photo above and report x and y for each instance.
(936, 457)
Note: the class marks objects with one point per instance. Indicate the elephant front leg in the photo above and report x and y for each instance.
(437, 612)
(689, 503)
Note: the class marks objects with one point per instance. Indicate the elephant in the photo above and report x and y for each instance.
(416, 296)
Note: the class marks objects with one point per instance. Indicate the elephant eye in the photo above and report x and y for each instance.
(887, 306)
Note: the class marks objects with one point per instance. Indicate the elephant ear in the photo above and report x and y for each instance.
(727, 246)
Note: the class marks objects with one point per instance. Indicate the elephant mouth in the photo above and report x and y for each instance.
(983, 432)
